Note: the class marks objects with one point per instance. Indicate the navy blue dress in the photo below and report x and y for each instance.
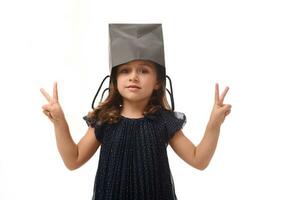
(133, 162)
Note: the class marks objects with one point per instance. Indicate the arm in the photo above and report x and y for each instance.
(74, 155)
(185, 149)
(206, 148)
(200, 156)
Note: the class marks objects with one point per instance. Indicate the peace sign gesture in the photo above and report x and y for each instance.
(53, 109)
(220, 110)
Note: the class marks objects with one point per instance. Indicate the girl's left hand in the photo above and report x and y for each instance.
(220, 110)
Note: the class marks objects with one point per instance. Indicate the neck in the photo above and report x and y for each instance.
(133, 109)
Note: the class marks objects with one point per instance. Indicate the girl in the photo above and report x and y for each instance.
(133, 126)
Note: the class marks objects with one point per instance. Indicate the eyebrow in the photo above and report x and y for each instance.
(147, 65)
(144, 64)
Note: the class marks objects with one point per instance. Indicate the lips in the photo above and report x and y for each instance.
(133, 86)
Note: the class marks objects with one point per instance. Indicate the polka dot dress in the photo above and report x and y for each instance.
(133, 162)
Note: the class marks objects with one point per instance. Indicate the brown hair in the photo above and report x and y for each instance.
(110, 109)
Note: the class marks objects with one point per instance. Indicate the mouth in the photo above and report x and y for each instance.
(134, 87)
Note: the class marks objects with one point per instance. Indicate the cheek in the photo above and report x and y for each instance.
(119, 83)
(150, 83)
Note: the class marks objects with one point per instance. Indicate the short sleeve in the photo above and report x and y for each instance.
(98, 127)
(174, 121)
(90, 122)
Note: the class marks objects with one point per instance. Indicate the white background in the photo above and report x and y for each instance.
(253, 47)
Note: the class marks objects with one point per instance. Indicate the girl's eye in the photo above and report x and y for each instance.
(123, 71)
(144, 71)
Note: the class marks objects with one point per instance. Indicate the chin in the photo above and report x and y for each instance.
(133, 98)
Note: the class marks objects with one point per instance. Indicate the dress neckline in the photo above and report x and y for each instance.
(132, 119)
(145, 117)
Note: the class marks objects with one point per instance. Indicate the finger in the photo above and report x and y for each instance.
(228, 112)
(46, 107)
(46, 95)
(216, 93)
(226, 107)
(223, 95)
(55, 93)
(47, 113)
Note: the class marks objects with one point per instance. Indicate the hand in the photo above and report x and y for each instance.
(220, 110)
(53, 109)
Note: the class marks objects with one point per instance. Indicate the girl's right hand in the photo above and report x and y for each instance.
(53, 109)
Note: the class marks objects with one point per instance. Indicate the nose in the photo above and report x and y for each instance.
(134, 76)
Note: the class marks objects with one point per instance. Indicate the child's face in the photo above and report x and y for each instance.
(140, 73)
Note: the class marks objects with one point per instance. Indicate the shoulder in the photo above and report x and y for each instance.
(172, 115)
(93, 122)
(172, 122)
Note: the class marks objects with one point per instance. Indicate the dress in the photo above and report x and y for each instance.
(133, 162)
